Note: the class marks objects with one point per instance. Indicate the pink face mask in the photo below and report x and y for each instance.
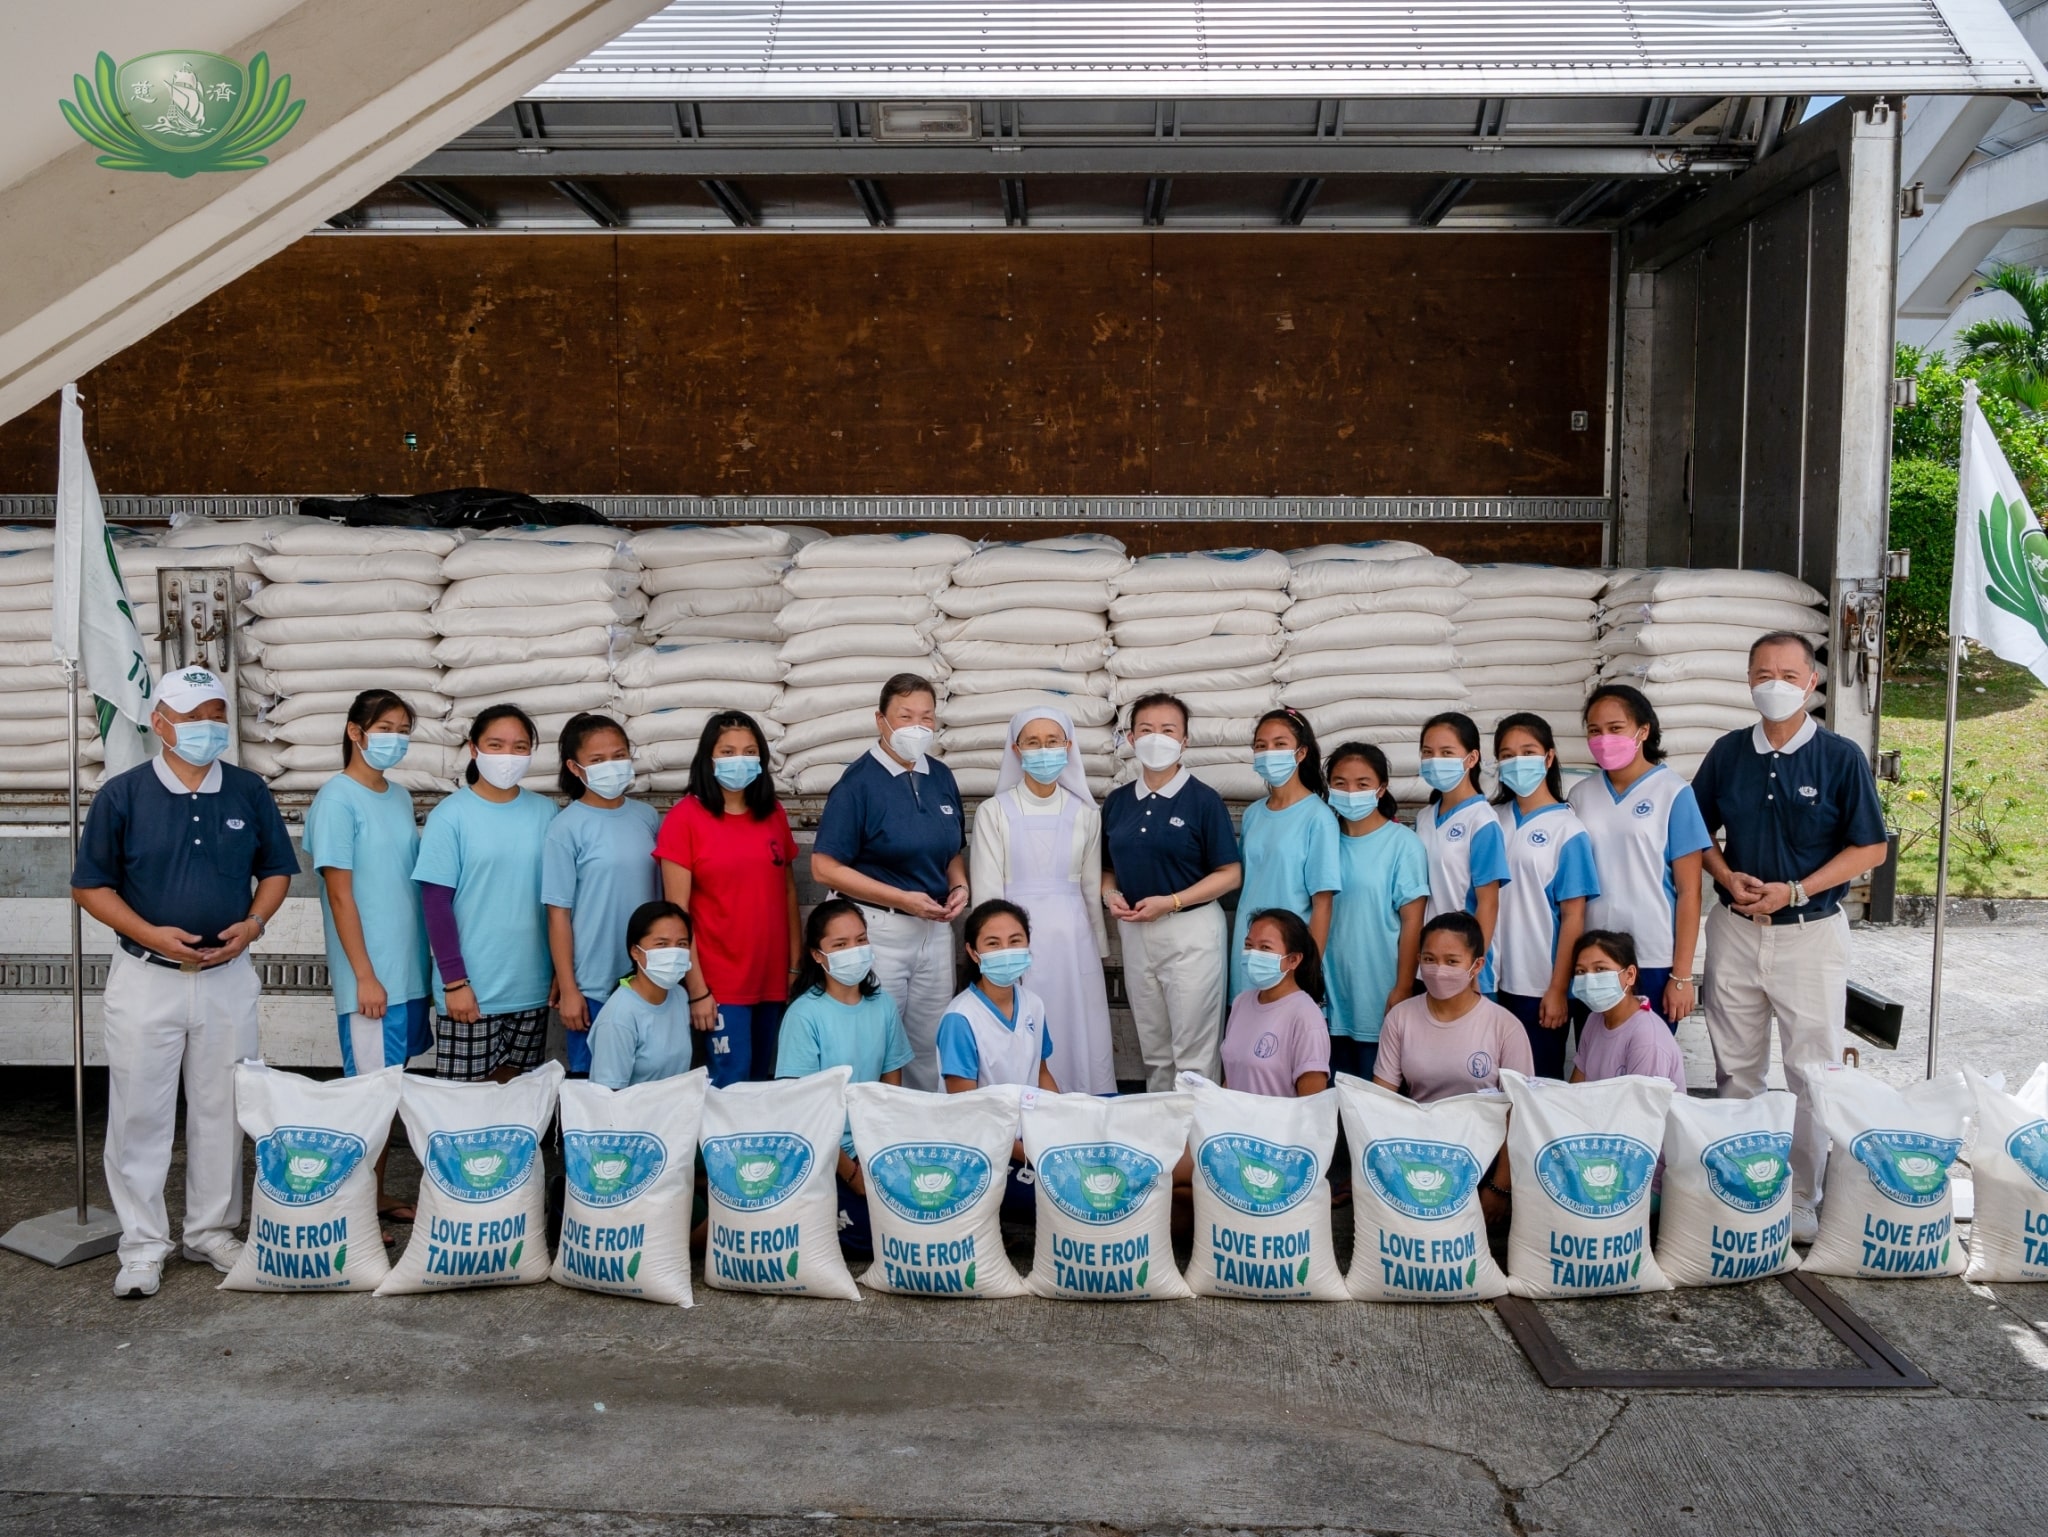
(1611, 751)
(1445, 981)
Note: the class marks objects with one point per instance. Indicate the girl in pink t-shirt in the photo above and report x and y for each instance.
(1277, 1042)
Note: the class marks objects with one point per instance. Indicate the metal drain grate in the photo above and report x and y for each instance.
(52, 973)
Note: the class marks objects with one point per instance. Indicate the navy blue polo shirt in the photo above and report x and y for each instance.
(1785, 814)
(184, 859)
(1167, 841)
(900, 828)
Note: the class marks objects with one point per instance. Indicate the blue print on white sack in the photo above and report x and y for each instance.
(302, 1165)
(610, 1168)
(1097, 1182)
(756, 1171)
(1748, 1172)
(1428, 1180)
(2028, 1147)
(486, 1164)
(1254, 1176)
(1594, 1174)
(1909, 1167)
(928, 1181)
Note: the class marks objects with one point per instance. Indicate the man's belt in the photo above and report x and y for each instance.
(142, 953)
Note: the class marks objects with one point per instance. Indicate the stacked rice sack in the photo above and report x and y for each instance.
(1683, 638)
(1025, 625)
(193, 542)
(1204, 625)
(1369, 653)
(1525, 642)
(34, 740)
(860, 609)
(712, 593)
(534, 616)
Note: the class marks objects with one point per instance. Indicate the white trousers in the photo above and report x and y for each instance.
(1799, 973)
(1174, 969)
(160, 1022)
(914, 964)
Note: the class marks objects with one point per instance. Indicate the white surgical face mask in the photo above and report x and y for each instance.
(503, 770)
(911, 742)
(1777, 699)
(1157, 750)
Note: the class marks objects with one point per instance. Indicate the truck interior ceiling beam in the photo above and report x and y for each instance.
(1301, 196)
(1015, 212)
(1443, 200)
(1157, 191)
(730, 202)
(874, 202)
(593, 202)
(448, 200)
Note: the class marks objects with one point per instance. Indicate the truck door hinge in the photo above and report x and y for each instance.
(1898, 565)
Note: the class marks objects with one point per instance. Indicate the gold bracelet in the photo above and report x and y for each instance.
(1176, 901)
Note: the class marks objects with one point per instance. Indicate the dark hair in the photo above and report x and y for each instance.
(994, 907)
(577, 730)
(489, 716)
(647, 915)
(1639, 709)
(1615, 945)
(369, 704)
(1785, 638)
(1308, 975)
(810, 976)
(905, 683)
(1161, 697)
(1539, 728)
(1304, 738)
(1464, 925)
(758, 796)
(1467, 733)
(1377, 762)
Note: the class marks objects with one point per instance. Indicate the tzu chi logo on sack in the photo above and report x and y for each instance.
(1596, 1175)
(1098, 1183)
(2028, 1147)
(1909, 1167)
(1427, 1180)
(928, 1181)
(610, 1168)
(1254, 1176)
(756, 1171)
(1748, 1172)
(486, 1164)
(302, 1165)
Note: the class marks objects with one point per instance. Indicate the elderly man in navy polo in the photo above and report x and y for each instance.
(186, 859)
(1797, 818)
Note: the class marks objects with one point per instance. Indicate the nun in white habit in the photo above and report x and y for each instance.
(1038, 843)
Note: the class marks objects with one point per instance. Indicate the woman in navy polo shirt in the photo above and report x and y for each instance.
(891, 838)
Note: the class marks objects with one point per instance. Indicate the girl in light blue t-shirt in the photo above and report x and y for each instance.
(1289, 838)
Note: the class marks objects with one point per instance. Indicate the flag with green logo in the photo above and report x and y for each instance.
(2000, 597)
(91, 623)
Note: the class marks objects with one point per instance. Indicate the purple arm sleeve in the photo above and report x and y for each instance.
(439, 902)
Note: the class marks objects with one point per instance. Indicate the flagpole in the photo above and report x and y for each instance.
(77, 956)
(1948, 776)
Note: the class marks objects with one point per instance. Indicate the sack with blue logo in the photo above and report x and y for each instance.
(482, 1208)
(1262, 1195)
(771, 1164)
(629, 1173)
(2009, 1166)
(1104, 1169)
(1582, 1158)
(1419, 1234)
(1887, 1211)
(1726, 1215)
(313, 1213)
(936, 1166)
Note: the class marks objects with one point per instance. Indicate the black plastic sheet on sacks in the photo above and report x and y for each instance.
(475, 508)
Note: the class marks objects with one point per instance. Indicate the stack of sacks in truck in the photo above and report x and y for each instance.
(1368, 654)
(707, 587)
(1026, 625)
(860, 610)
(1683, 638)
(533, 617)
(341, 610)
(34, 739)
(1525, 643)
(1204, 626)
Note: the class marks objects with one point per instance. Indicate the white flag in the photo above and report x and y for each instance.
(2000, 597)
(90, 620)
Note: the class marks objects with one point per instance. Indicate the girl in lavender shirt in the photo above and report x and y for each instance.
(1277, 1042)
(1634, 1041)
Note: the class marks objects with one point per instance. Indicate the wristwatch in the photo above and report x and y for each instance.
(1798, 890)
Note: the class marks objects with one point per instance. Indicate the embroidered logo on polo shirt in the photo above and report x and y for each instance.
(944, 808)
(1175, 822)
(1454, 832)
(236, 824)
(1538, 839)
(1643, 808)
(1808, 791)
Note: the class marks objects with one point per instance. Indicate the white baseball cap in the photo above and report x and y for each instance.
(188, 688)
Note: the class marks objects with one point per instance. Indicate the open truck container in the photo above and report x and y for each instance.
(1581, 283)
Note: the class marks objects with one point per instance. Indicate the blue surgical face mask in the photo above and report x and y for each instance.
(1598, 990)
(736, 773)
(1275, 767)
(851, 965)
(665, 966)
(1004, 967)
(609, 780)
(1443, 774)
(385, 749)
(1263, 967)
(201, 741)
(1044, 764)
(1354, 805)
(1522, 775)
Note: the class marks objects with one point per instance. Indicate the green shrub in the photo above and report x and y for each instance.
(1923, 522)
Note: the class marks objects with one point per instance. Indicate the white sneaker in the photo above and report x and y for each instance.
(139, 1278)
(1805, 1225)
(221, 1253)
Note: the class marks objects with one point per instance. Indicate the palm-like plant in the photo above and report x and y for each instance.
(2012, 354)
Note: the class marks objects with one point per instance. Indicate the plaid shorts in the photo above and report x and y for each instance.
(479, 1048)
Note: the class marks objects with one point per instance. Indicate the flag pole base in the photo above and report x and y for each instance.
(58, 1238)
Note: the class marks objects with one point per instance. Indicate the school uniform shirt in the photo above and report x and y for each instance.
(598, 863)
(1465, 849)
(739, 897)
(818, 1031)
(1640, 1046)
(900, 826)
(1158, 842)
(977, 1040)
(634, 1041)
(1435, 1059)
(1267, 1046)
(1636, 834)
(1289, 856)
(1550, 861)
(491, 854)
(1384, 870)
(373, 836)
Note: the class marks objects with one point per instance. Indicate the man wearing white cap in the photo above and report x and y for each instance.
(170, 856)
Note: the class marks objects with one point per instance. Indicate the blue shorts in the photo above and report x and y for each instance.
(405, 1031)
(576, 1043)
(742, 1048)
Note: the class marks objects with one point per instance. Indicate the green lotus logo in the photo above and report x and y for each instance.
(1102, 1187)
(756, 1176)
(931, 1186)
(304, 1170)
(182, 112)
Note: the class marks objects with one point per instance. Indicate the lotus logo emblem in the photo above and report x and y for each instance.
(1749, 1172)
(1426, 1182)
(932, 1184)
(1254, 1176)
(756, 1174)
(929, 1181)
(181, 112)
(1417, 1178)
(609, 1168)
(298, 1165)
(1097, 1182)
(482, 1169)
(304, 1168)
(1102, 1187)
(608, 1171)
(2028, 1147)
(1601, 1177)
(1909, 1167)
(756, 1171)
(1597, 1174)
(486, 1164)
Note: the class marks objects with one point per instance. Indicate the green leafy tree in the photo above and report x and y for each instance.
(2012, 354)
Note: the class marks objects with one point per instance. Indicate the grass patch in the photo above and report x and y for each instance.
(1998, 842)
